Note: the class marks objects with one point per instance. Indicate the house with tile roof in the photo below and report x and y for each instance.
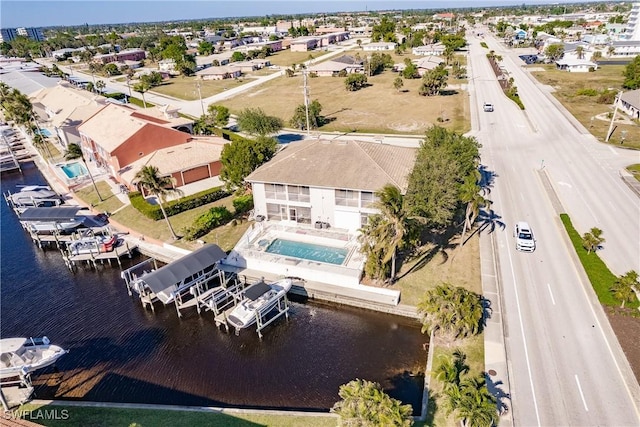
(119, 138)
(328, 181)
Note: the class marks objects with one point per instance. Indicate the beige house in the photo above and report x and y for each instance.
(346, 63)
(629, 102)
(219, 73)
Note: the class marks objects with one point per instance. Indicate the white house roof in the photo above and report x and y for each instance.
(221, 70)
(570, 62)
(356, 165)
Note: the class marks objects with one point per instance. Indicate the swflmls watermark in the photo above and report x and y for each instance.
(37, 414)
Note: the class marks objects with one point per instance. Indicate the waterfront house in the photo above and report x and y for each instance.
(118, 136)
(63, 107)
(328, 181)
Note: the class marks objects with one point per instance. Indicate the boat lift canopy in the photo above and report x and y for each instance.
(52, 214)
(176, 272)
(254, 292)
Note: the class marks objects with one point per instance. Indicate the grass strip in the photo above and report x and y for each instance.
(600, 276)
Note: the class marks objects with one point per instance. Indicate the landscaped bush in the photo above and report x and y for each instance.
(512, 94)
(607, 97)
(214, 217)
(483, 44)
(587, 92)
(176, 206)
(600, 276)
(243, 204)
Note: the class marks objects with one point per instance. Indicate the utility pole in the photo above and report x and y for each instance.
(200, 95)
(305, 91)
(615, 111)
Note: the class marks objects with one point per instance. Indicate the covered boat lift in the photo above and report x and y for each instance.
(174, 282)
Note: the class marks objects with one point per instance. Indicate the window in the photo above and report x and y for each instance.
(274, 212)
(298, 193)
(275, 191)
(367, 199)
(364, 219)
(347, 198)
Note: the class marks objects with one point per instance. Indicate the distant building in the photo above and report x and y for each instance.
(8, 34)
(632, 31)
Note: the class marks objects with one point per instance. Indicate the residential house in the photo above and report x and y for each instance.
(576, 65)
(168, 65)
(117, 136)
(629, 103)
(185, 163)
(379, 46)
(219, 73)
(626, 48)
(304, 44)
(129, 55)
(63, 108)
(430, 49)
(346, 63)
(328, 181)
(428, 63)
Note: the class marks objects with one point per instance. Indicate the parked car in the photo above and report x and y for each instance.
(525, 241)
(488, 107)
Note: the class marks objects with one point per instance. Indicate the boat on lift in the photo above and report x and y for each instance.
(259, 299)
(21, 356)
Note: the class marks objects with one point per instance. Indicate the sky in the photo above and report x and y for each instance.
(27, 13)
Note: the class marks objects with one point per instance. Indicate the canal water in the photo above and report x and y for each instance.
(120, 352)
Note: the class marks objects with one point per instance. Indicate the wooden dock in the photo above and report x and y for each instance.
(118, 252)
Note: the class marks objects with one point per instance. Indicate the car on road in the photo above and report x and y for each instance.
(488, 107)
(525, 241)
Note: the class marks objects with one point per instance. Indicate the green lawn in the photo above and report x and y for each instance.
(635, 170)
(107, 417)
(225, 236)
(186, 88)
(586, 109)
(88, 195)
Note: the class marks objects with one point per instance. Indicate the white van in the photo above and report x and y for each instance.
(525, 241)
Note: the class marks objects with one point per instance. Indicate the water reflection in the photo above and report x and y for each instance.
(121, 352)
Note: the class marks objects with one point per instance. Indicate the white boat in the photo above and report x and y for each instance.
(32, 196)
(44, 227)
(259, 299)
(26, 355)
(92, 244)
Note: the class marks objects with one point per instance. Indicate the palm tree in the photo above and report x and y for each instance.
(596, 56)
(100, 85)
(625, 287)
(611, 50)
(364, 403)
(142, 87)
(592, 239)
(74, 151)
(472, 403)
(451, 310)
(451, 368)
(470, 194)
(394, 229)
(159, 186)
(580, 52)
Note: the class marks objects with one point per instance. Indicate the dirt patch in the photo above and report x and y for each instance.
(627, 329)
(412, 126)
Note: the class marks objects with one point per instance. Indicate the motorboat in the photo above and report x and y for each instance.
(32, 196)
(95, 244)
(50, 227)
(259, 299)
(26, 355)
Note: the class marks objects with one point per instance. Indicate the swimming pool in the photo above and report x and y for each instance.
(308, 251)
(74, 170)
(44, 132)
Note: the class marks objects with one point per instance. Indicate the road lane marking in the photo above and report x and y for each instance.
(584, 402)
(613, 151)
(551, 293)
(524, 339)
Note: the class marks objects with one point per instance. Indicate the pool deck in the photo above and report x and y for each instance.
(339, 283)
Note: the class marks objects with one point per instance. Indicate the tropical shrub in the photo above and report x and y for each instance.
(243, 204)
(214, 217)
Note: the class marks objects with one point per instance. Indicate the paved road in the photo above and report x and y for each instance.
(565, 365)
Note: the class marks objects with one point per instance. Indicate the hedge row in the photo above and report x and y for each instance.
(600, 276)
(214, 217)
(176, 206)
